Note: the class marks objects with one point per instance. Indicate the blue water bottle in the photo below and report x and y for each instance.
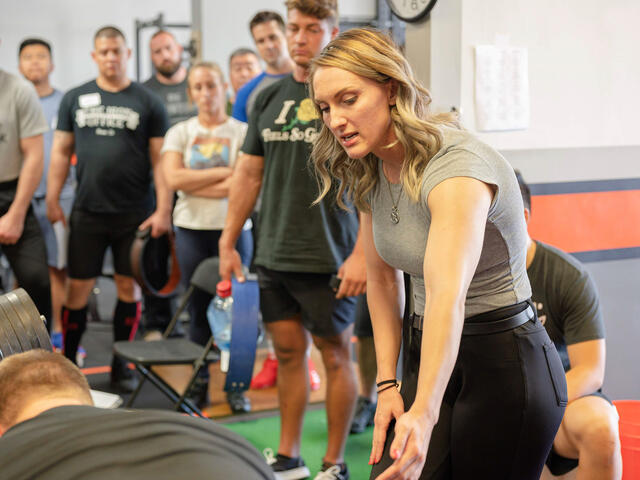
(219, 317)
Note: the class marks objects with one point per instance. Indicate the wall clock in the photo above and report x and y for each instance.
(411, 10)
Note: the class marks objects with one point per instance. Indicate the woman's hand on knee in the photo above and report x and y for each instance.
(409, 447)
(390, 407)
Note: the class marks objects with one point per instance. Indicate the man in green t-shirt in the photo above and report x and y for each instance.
(301, 246)
(569, 308)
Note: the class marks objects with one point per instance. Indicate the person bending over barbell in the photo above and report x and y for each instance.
(50, 429)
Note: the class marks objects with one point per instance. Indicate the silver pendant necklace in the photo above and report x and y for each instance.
(395, 215)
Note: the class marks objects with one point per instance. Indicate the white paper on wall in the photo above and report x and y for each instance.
(502, 88)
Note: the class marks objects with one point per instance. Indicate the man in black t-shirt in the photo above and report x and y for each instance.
(301, 245)
(170, 84)
(116, 128)
(170, 80)
(49, 429)
(569, 308)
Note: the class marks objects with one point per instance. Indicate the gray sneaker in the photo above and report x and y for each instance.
(363, 416)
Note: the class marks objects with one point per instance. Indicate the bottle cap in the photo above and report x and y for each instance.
(223, 288)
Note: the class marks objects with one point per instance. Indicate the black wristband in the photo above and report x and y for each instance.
(395, 385)
(386, 382)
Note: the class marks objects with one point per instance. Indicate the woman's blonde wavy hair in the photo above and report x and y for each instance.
(372, 54)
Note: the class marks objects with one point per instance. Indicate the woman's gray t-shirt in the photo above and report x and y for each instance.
(501, 278)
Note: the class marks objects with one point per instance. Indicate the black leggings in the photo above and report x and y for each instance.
(501, 409)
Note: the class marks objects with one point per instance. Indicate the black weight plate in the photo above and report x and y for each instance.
(17, 323)
(26, 324)
(5, 345)
(36, 323)
(9, 336)
(29, 322)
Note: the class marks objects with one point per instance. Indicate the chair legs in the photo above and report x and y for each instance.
(181, 306)
(181, 403)
(197, 366)
(135, 393)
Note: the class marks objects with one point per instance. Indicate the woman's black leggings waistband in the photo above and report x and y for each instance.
(495, 321)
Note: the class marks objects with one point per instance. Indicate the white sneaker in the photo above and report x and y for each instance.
(285, 468)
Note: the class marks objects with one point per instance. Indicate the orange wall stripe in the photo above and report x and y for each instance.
(580, 222)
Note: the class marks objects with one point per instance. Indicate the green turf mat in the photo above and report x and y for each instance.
(264, 433)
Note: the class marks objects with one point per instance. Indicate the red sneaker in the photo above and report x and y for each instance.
(267, 376)
(314, 376)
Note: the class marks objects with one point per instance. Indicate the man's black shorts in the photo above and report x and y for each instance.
(91, 233)
(285, 294)
(559, 465)
(362, 327)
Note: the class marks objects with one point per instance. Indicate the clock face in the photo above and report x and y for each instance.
(411, 10)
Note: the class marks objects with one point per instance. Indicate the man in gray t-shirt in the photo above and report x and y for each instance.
(21, 162)
(569, 308)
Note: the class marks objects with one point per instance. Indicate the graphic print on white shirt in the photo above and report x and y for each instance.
(208, 152)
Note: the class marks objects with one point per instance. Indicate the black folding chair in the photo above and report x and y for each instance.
(174, 351)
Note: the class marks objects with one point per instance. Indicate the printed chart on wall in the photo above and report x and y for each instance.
(501, 88)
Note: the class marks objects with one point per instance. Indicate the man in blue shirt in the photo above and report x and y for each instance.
(267, 29)
(36, 64)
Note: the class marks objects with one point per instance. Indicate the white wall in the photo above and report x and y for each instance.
(583, 69)
(69, 26)
(583, 76)
(225, 24)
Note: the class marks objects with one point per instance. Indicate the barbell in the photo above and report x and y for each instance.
(22, 327)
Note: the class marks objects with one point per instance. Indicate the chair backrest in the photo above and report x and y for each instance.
(206, 275)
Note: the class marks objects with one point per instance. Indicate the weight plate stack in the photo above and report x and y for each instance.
(21, 326)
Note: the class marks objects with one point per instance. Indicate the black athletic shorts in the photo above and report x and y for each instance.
(559, 465)
(91, 233)
(362, 327)
(285, 294)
